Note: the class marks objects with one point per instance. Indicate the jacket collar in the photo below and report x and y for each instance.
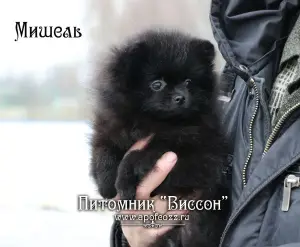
(248, 33)
(292, 48)
(291, 51)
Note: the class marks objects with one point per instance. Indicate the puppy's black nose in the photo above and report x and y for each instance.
(179, 99)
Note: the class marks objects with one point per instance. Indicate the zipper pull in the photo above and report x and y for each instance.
(290, 182)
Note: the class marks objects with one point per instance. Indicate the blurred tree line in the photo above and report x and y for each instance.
(57, 96)
(111, 21)
(61, 94)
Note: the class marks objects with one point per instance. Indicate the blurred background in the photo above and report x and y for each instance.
(45, 110)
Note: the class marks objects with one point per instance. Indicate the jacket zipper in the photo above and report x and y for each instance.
(253, 85)
(268, 145)
(252, 195)
(278, 127)
(291, 181)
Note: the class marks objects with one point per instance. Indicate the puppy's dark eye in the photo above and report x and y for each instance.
(187, 82)
(158, 85)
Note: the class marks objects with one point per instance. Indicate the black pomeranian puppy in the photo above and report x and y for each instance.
(162, 83)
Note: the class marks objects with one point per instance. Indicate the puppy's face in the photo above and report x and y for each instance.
(170, 76)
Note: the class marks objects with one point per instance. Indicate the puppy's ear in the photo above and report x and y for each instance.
(204, 49)
(128, 63)
(137, 51)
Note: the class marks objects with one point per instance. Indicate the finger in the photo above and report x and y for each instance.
(174, 218)
(134, 218)
(161, 206)
(128, 218)
(158, 174)
(170, 223)
(139, 144)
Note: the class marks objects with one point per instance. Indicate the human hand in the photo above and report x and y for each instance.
(139, 236)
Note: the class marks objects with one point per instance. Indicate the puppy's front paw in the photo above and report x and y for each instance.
(128, 193)
(134, 167)
(127, 179)
(107, 192)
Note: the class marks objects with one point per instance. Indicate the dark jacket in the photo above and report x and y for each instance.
(251, 35)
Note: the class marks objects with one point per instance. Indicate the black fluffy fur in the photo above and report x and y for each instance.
(128, 109)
